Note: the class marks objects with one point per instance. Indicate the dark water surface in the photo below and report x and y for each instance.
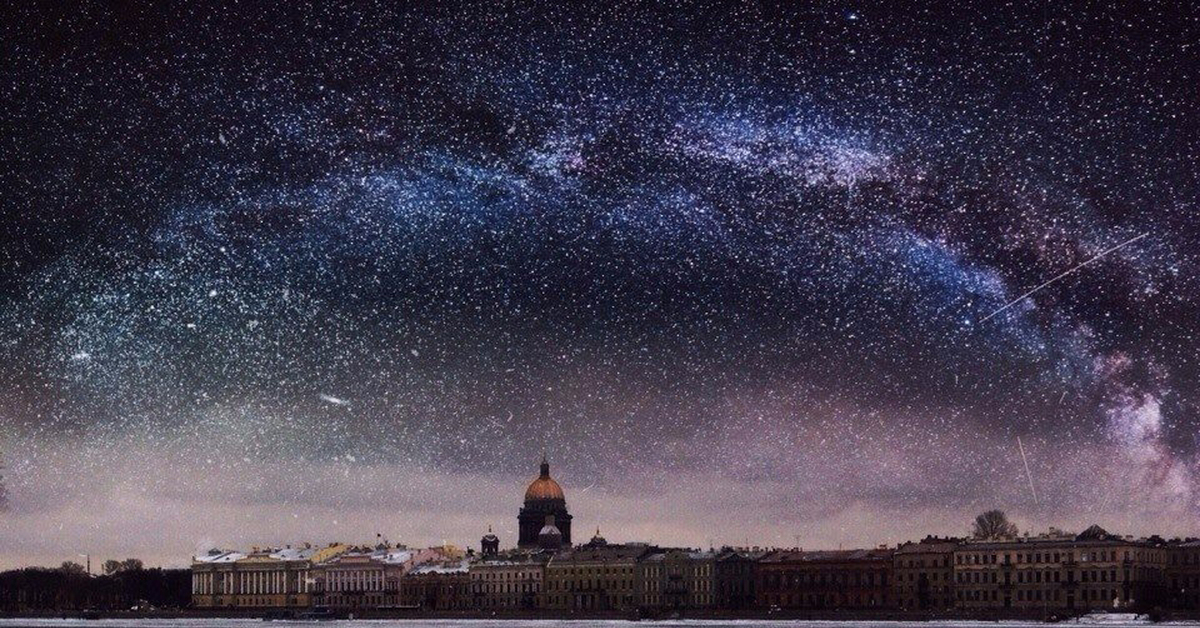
(1107, 622)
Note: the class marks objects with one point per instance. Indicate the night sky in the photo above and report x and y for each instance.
(323, 271)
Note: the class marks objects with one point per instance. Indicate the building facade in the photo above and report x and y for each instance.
(923, 574)
(676, 579)
(1183, 575)
(593, 578)
(441, 587)
(793, 579)
(262, 579)
(1091, 571)
(358, 580)
(734, 577)
(506, 584)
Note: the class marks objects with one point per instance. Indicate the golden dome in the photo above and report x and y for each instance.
(544, 488)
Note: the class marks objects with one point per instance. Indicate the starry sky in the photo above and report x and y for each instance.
(322, 271)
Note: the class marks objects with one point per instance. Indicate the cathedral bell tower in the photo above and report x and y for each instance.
(489, 545)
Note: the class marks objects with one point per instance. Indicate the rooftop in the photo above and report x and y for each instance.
(829, 556)
(601, 553)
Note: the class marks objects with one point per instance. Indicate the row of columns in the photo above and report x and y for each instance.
(265, 582)
(357, 580)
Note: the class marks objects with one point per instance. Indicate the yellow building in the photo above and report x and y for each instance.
(360, 579)
(593, 578)
(506, 584)
(262, 579)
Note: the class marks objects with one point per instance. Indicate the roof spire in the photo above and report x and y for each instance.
(545, 466)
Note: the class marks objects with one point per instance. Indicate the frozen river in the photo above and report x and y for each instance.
(1107, 622)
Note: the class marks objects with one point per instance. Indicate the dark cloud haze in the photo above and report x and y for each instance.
(318, 271)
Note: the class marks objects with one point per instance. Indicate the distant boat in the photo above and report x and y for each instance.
(317, 614)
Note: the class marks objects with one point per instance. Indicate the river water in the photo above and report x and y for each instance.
(1107, 622)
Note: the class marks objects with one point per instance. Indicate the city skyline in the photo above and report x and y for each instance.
(507, 533)
(840, 273)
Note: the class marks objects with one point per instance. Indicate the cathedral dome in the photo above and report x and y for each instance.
(544, 488)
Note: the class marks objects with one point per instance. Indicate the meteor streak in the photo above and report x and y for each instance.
(1065, 273)
(1027, 475)
(334, 400)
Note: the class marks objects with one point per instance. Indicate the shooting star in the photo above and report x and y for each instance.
(334, 400)
(1027, 474)
(1065, 273)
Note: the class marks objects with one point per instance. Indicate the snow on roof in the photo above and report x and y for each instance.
(332, 553)
(293, 553)
(441, 568)
(221, 557)
(394, 557)
(504, 562)
(678, 553)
